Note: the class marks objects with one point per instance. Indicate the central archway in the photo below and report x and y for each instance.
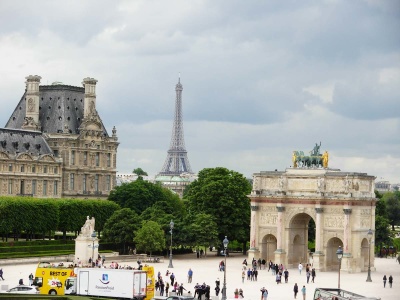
(298, 239)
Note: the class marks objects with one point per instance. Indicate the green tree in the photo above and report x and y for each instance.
(382, 232)
(204, 230)
(140, 195)
(392, 200)
(120, 227)
(222, 193)
(139, 172)
(150, 237)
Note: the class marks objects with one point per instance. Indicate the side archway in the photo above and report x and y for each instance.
(268, 247)
(332, 262)
(364, 254)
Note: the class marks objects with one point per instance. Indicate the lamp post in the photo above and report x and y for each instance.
(225, 242)
(94, 236)
(339, 254)
(171, 226)
(370, 233)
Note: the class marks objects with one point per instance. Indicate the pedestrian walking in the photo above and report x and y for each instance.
(241, 294)
(308, 274)
(243, 276)
(30, 279)
(313, 274)
(1, 274)
(286, 273)
(236, 292)
(181, 288)
(162, 287)
(390, 281)
(295, 290)
(265, 294)
(190, 275)
(300, 267)
(217, 289)
(303, 292)
(172, 277)
(384, 281)
(166, 289)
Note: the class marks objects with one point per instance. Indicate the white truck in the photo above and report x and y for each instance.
(116, 283)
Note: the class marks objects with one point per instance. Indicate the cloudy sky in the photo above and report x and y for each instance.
(260, 78)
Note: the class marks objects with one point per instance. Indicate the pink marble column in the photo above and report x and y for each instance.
(346, 232)
(318, 225)
(253, 228)
(279, 228)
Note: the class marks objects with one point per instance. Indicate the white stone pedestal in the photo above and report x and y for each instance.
(85, 247)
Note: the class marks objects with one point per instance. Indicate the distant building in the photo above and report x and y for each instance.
(55, 144)
(382, 186)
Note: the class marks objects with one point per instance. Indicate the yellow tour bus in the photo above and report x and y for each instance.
(50, 278)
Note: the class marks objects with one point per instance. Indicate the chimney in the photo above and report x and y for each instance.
(31, 121)
(90, 96)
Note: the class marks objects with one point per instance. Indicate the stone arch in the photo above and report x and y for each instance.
(268, 247)
(332, 262)
(364, 254)
(298, 239)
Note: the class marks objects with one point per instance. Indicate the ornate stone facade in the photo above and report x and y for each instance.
(342, 205)
(67, 119)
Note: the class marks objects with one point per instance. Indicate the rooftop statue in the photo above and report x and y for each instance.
(316, 159)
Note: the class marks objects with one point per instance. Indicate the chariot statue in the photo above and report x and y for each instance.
(315, 159)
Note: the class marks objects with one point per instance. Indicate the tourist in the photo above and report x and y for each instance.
(303, 292)
(243, 276)
(166, 289)
(30, 279)
(384, 281)
(190, 274)
(308, 274)
(162, 287)
(300, 268)
(295, 290)
(313, 274)
(286, 273)
(265, 294)
(236, 292)
(241, 294)
(390, 281)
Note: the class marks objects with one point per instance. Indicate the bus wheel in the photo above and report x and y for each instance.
(52, 292)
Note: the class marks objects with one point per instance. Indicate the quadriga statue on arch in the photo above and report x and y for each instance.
(315, 159)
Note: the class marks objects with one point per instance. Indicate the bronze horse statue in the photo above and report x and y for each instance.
(305, 161)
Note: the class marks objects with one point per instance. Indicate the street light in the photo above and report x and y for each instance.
(93, 235)
(370, 233)
(225, 242)
(339, 254)
(171, 226)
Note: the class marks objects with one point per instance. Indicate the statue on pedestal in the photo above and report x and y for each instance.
(88, 227)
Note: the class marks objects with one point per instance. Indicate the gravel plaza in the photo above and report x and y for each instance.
(206, 270)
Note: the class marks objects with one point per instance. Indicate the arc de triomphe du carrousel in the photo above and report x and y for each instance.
(341, 204)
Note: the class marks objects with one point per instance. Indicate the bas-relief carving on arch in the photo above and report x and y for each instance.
(4, 155)
(24, 156)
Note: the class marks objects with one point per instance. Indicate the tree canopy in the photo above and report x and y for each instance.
(222, 194)
(139, 172)
(392, 200)
(150, 237)
(139, 195)
(120, 228)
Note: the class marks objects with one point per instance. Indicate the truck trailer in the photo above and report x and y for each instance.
(116, 283)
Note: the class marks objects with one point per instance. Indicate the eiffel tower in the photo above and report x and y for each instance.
(177, 161)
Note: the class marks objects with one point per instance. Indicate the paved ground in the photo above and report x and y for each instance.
(206, 270)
